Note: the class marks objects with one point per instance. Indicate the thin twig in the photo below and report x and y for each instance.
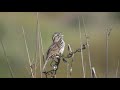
(42, 48)
(117, 70)
(106, 55)
(88, 46)
(70, 51)
(67, 70)
(85, 66)
(11, 72)
(30, 64)
(71, 68)
(93, 72)
(108, 31)
(81, 49)
(39, 44)
(40, 58)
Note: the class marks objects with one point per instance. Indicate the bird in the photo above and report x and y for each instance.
(56, 48)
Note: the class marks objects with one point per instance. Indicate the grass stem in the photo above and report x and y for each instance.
(81, 50)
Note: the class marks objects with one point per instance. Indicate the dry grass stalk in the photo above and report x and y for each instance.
(108, 31)
(29, 61)
(81, 50)
(38, 45)
(67, 70)
(117, 70)
(70, 51)
(93, 72)
(11, 72)
(88, 46)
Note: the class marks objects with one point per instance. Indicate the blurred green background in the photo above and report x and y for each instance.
(67, 23)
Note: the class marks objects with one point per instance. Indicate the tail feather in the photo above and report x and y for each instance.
(45, 65)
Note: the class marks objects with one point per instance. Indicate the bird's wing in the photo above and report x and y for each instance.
(54, 49)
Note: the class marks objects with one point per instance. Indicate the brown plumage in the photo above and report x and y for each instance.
(56, 48)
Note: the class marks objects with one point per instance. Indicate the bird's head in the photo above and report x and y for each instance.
(57, 36)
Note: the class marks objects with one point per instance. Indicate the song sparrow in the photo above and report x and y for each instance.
(56, 49)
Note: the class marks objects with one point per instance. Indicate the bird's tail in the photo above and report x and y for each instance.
(45, 65)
